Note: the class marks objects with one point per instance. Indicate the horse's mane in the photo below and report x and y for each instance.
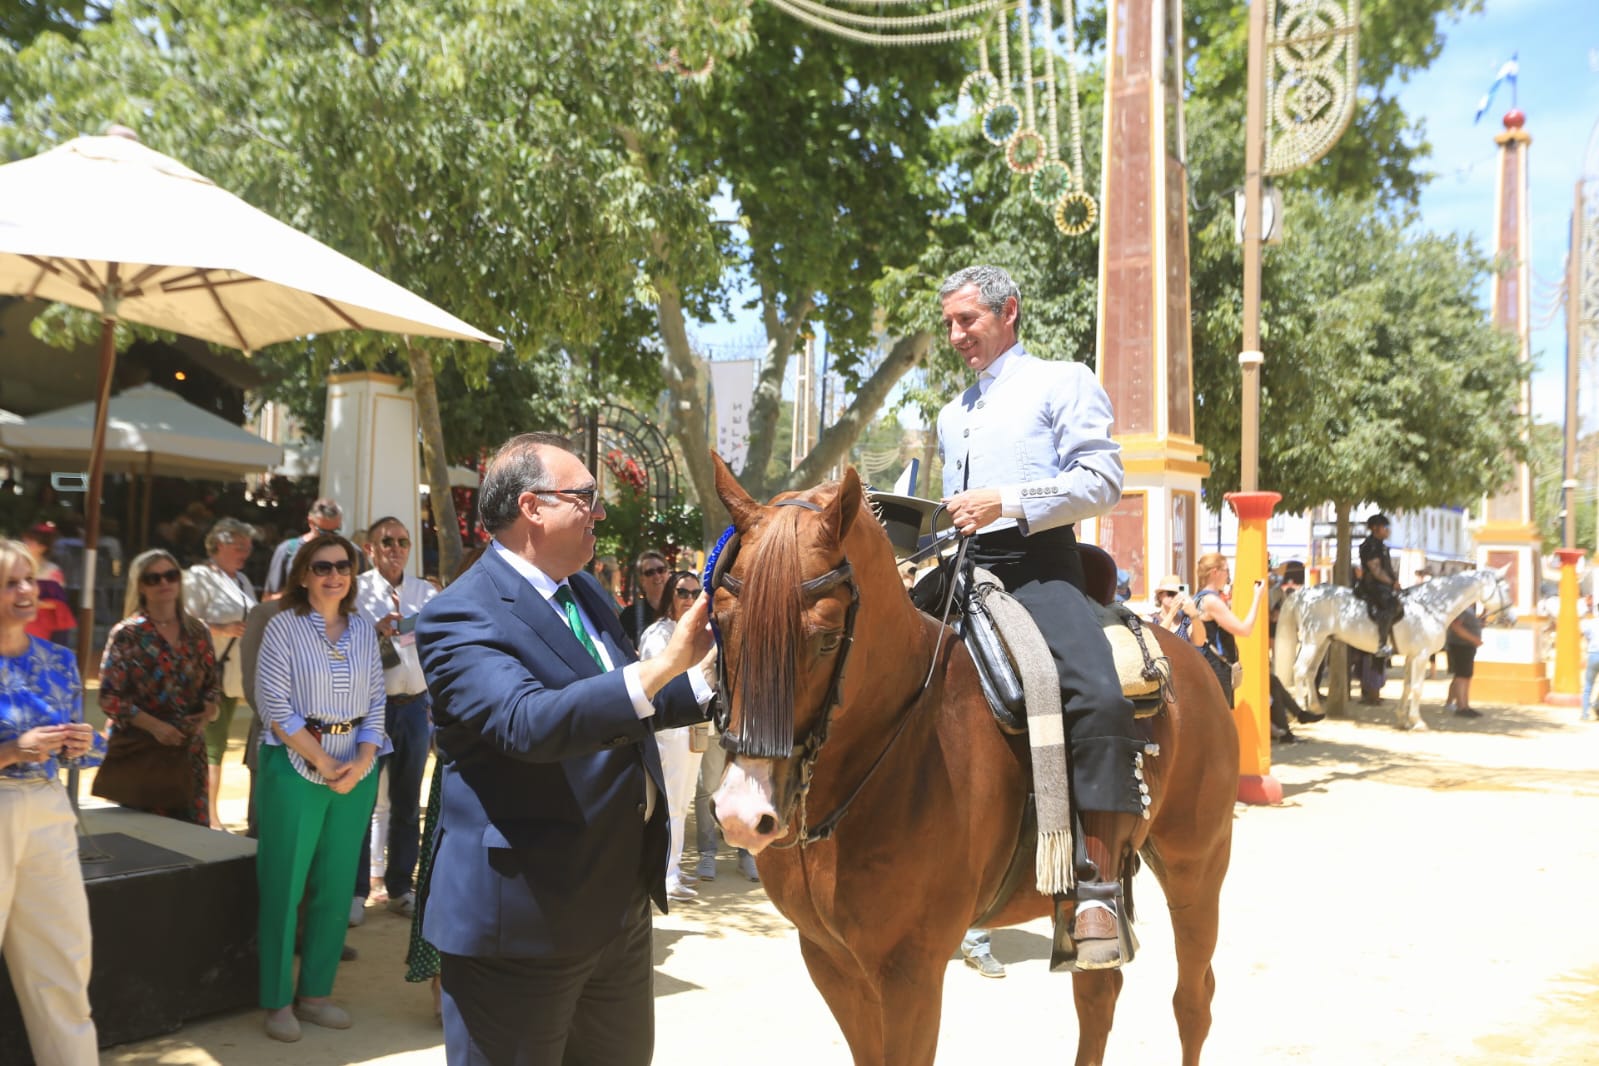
(772, 621)
(1437, 593)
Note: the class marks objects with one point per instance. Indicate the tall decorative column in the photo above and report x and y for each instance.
(1144, 348)
(371, 462)
(1509, 665)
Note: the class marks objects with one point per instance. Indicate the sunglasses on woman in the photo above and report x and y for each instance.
(652, 571)
(151, 578)
(323, 568)
(683, 592)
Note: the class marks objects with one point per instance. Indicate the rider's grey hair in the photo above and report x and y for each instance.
(994, 287)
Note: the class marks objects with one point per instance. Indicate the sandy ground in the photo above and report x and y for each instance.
(1418, 898)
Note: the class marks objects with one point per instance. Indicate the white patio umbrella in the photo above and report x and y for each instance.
(108, 225)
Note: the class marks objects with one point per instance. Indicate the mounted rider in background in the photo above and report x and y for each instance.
(1379, 585)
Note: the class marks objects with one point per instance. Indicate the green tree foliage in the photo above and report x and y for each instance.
(474, 152)
(834, 154)
(1547, 458)
(1386, 383)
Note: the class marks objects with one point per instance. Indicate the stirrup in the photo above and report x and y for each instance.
(1073, 956)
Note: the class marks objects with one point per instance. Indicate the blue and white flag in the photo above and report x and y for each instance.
(1506, 73)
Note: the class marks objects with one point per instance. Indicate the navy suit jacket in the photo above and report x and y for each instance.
(541, 847)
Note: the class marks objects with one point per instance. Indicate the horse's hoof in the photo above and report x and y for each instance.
(1418, 726)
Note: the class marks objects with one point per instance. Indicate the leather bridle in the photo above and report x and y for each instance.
(717, 575)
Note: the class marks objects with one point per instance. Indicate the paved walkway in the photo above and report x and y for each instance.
(1420, 898)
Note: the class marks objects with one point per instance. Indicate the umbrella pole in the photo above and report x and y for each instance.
(149, 482)
(91, 535)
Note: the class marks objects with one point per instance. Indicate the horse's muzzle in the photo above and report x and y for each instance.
(746, 805)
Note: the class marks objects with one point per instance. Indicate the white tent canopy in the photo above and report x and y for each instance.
(148, 430)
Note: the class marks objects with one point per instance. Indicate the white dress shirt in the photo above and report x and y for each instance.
(1038, 430)
(376, 599)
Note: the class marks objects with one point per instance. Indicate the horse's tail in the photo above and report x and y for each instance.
(1286, 648)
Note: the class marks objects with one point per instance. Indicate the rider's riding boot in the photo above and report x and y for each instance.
(1385, 640)
(1107, 841)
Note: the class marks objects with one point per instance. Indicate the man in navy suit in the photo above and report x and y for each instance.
(552, 837)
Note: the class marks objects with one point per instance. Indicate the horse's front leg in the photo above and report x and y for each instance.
(1410, 702)
(851, 997)
(1310, 653)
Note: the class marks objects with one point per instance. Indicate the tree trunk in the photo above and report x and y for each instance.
(841, 436)
(686, 417)
(1338, 651)
(766, 405)
(442, 501)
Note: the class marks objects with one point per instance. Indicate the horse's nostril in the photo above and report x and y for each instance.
(766, 824)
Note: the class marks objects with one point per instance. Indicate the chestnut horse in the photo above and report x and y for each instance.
(884, 802)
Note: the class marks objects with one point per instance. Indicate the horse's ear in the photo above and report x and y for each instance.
(741, 506)
(1502, 571)
(845, 506)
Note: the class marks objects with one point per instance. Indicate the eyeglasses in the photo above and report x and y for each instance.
(151, 578)
(653, 571)
(685, 593)
(323, 568)
(395, 542)
(585, 496)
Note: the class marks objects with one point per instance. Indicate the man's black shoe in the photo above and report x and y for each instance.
(1467, 712)
(1309, 717)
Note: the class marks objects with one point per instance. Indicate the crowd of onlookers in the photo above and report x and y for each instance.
(322, 659)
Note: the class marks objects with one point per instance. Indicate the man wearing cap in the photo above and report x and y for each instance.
(1027, 454)
(1378, 585)
(325, 516)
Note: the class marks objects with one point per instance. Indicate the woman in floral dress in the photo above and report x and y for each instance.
(159, 673)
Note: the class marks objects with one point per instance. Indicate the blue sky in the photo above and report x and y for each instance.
(1558, 88)
(1557, 42)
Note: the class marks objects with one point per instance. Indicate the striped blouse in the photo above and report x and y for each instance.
(300, 676)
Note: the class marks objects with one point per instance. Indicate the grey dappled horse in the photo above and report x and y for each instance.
(1313, 617)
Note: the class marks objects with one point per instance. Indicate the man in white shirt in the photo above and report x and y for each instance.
(1027, 453)
(391, 599)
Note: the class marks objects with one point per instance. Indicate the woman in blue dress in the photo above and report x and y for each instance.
(44, 911)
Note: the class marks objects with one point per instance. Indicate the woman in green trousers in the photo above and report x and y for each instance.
(319, 683)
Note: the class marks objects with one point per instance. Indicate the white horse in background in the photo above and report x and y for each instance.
(1312, 617)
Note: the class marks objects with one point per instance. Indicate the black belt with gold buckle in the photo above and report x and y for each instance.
(332, 729)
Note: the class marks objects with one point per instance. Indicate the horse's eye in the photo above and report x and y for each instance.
(829, 643)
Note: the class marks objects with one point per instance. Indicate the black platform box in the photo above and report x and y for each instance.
(173, 908)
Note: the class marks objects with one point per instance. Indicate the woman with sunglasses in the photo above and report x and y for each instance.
(159, 674)
(319, 691)
(680, 766)
(649, 592)
(44, 911)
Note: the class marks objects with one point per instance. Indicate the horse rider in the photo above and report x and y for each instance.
(1378, 584)
(1027, 453)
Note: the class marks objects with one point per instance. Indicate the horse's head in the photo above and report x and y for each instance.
(784, 606)
(1497, 597)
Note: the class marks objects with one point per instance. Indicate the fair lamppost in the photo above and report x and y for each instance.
(1301, 91)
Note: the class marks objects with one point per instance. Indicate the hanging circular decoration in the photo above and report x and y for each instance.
(1026, 151)
(982, 89)
(1051, 181)
(1002, 122)
(1075, 214)
(674, 64)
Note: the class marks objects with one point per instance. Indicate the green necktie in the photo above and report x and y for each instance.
(575, 620)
